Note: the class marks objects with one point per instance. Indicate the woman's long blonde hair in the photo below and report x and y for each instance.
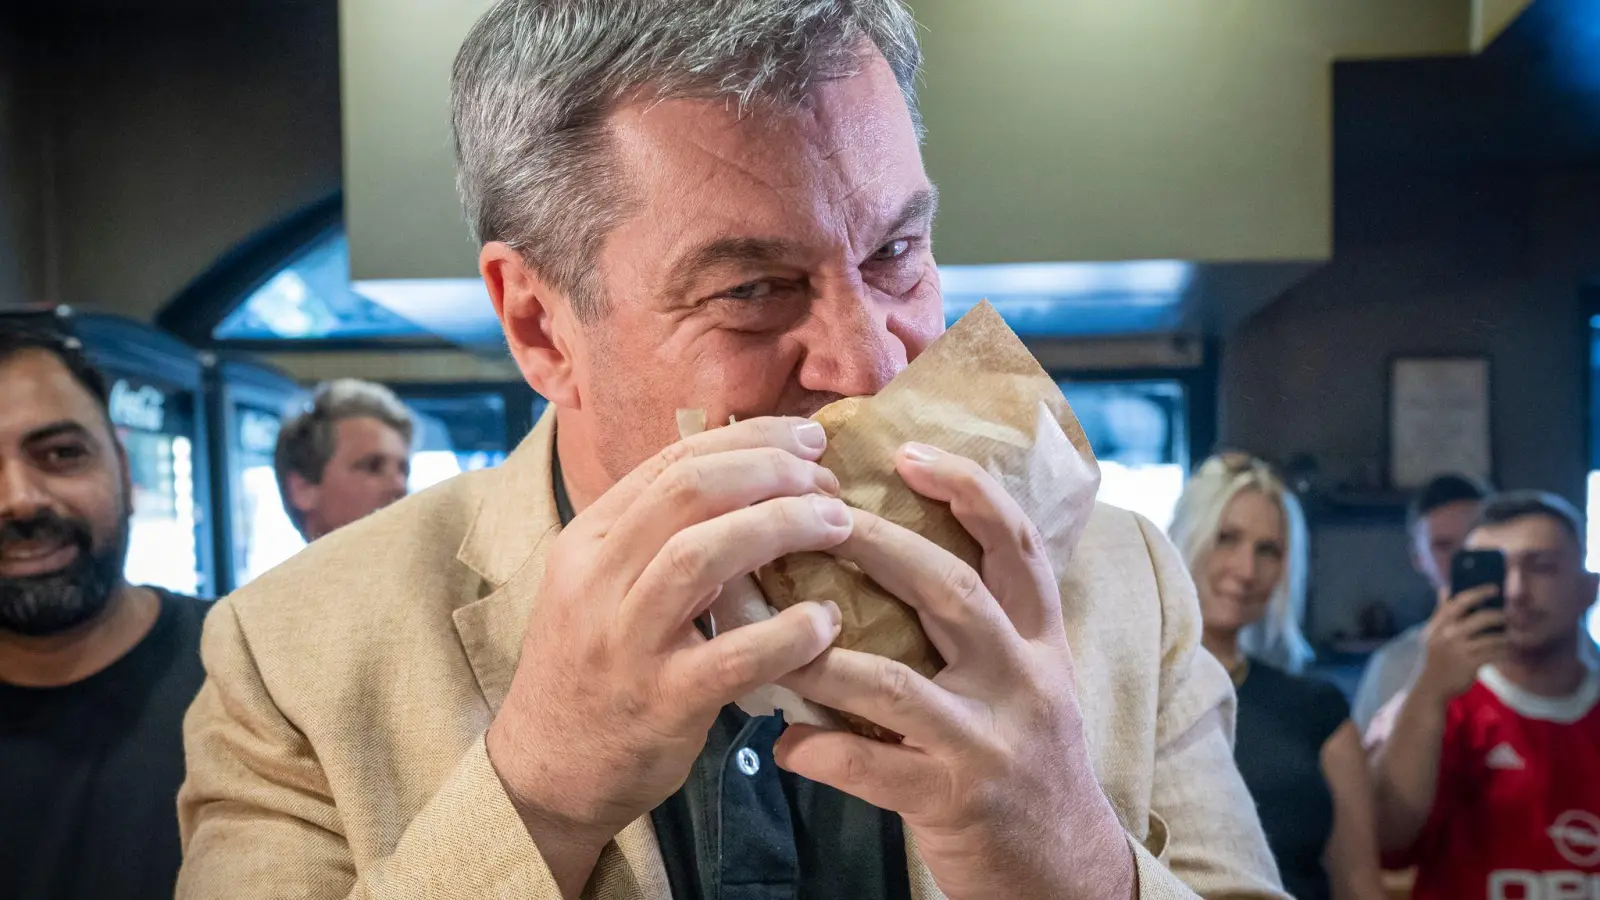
(1276, 639)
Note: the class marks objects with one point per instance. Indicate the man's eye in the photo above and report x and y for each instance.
(65, 455)
(750, 290)
(892, 250)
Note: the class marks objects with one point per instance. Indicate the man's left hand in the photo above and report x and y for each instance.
(993, 777)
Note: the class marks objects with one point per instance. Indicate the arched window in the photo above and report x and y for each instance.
(287, 290)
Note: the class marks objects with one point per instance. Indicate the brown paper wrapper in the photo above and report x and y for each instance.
(976, 392)
(741, 603)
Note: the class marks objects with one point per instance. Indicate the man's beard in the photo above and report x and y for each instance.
(42, 605)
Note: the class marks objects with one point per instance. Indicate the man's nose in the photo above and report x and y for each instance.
(849, 349)
(21, 494)
(1515, 584)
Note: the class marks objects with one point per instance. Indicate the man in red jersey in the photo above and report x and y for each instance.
(1487, 772)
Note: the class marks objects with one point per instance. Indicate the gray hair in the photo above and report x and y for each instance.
(536, 80)
(306, 441)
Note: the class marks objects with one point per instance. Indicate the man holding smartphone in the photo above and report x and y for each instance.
(1437, 523)
(1487, 772)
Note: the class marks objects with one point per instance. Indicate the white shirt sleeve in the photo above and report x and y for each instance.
(1388, 673)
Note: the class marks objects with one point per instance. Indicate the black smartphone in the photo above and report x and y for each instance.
(1476, 568)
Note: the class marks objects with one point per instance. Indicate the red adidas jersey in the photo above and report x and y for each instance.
(1517, 812)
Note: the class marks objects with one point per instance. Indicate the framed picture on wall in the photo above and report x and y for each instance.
(1438, 418)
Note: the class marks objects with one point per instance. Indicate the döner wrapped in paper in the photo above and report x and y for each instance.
(976, 392)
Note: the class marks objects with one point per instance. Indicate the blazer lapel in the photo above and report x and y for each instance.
(507, 545)
(921, 880)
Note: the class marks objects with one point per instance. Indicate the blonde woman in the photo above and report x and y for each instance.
(1244, 538)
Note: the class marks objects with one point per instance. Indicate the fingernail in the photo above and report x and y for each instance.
(834, 615)
(810, 435)
(920, 453)
(832, 511)
(827, 481)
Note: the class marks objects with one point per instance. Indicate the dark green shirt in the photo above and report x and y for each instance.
(741, 828)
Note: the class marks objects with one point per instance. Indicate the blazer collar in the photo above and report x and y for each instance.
(506, 545)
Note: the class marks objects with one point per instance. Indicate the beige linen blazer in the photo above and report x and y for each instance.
(336, 749)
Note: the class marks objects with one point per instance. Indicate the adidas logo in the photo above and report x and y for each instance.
(1504, 756)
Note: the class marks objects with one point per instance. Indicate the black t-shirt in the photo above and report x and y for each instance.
(1283, 722)
(89, 772)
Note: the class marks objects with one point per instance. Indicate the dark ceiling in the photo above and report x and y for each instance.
(53, 9)
(1531, 99)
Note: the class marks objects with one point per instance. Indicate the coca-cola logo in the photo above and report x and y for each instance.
(143, 408)
(258, 432)
(1576, 834)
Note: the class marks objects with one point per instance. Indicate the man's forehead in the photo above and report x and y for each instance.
(41, 391)
(1455, 512)
(1449, 522)
(363, 434)
(1532, 533)
(848, 136)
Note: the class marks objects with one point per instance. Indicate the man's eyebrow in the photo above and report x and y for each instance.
(919, 209)
(64, 428)
(734, 251)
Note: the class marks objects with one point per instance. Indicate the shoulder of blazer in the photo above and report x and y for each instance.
(396, 558)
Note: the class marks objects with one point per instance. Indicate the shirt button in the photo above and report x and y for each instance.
(747, 761)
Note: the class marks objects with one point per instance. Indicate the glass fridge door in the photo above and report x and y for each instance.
(1139, 432)
(156, 425)
(456, 433)
(262, 534)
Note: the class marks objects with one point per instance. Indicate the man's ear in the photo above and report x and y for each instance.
(537, 322)
(303, 495)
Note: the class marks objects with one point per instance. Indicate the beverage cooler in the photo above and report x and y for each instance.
(157, 388)
(247, 402)
(465, 427)
(455, 432)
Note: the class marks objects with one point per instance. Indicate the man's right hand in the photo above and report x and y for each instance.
(616, 687)
(1407, 734)
(1459, 640)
